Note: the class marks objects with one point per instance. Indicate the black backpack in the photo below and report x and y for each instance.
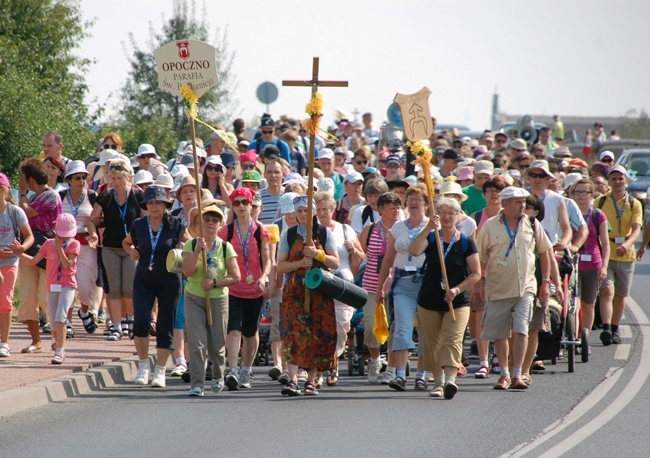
(292, 233)
(366, 214)
(257, 234)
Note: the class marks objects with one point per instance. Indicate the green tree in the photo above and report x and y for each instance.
(150, 115)
(635, 125)
(41, 80)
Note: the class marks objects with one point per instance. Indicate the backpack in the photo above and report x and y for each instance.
(224, 244)
(477, 216)
(367, 213)
(292, 233)
(92, 196)
(464, 242)
(257, 234)
(630, 200)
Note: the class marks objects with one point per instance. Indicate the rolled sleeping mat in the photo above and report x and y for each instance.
(336, 288)
(175, 261)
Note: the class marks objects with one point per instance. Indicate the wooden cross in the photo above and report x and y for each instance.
(314, 83)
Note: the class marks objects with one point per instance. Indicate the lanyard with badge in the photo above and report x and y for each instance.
(446, 252)
(75, 208)
(56, 287)
(619, 215)
(412, 234)
(154, 241)
(503, 263)
(212, 263)
(245, 244)
(584, 256)
(123, 211)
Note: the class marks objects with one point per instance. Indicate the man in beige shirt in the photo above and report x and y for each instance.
(504, 244)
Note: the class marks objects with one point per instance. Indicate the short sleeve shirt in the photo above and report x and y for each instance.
(68, 276)
(113, 222)
(48, 206)
(404, 237)
(622, 226)
(270, 205)
(475, 200)
(8, 231)
(194, 281)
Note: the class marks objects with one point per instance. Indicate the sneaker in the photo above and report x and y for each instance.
(102, 316)
(421, 384)
(5, 351)
(232, 380)
(179, 370)
(518, 383)
(616, 339)
(483, 372)
(275, 372)
(398, 384)
(473, 350)
(284, 378)
(461, 372)
(58, 359)
(47, 329)
(373, 370)
(437, 392)
(503, 383)
(450, 390)
(69, 331)
(386, 377)
(196, 391)
(158, 377)
(495, 365)
(217, 385)
(245, 379)
(606, 338)
(143, 375)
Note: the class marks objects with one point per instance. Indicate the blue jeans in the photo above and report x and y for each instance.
(405, 305)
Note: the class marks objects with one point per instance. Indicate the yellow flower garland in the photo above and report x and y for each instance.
(423, 155)
(191, 100)
(315, 111)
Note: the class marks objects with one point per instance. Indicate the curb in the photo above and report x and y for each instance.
(68, 386)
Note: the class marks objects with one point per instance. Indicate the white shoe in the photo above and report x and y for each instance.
(374, 366)
(5, 351)
(178, 370)
(217, 386)
(196, 391)
(143, 375)
(158, 377)
(386, 377)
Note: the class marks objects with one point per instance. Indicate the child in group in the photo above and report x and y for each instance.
(60, 254)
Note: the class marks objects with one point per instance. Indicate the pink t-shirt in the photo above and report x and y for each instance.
(243, 289)
(68, 276)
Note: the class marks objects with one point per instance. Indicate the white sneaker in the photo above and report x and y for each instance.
(373, 370)
(158, 377)
(5, 351)
(143, 375)
(245, 379)
(386, 377)
(196, 391)
(217, 386)
(178, 370)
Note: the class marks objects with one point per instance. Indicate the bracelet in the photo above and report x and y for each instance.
(547, 280)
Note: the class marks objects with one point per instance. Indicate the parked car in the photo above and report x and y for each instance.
(637, 163)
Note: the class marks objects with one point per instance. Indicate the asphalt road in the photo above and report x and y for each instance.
(599, 410)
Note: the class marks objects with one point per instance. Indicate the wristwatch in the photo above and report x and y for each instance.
(214, 282)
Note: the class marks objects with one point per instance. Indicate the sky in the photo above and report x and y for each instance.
(582, 58)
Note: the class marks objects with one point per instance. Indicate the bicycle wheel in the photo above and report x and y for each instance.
(584, 346)
(570, 336)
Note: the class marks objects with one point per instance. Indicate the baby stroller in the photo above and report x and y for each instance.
(564, 318)
(264, 328)
(356, 361)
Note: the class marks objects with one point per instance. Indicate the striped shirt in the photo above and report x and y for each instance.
(376, 248)
(270, 205)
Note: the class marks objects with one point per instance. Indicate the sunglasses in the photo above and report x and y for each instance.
(77, 178)
(109, 146)
(298, 199)
(607, 159)
(537, 175)
(392, 166)
(244, 202)
(361, 162)
(211, 219)
(117, 168)
(266, 132)
(145, 156)
(248, 166)
(214, 168)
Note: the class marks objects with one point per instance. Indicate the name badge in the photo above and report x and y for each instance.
(619, 239)
(502, 263)
(55, 288)
(585, 257)
(212, 272)
(410, 268)
(442, 285)
(250, 279)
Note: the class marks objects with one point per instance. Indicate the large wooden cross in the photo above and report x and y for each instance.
(314, 83)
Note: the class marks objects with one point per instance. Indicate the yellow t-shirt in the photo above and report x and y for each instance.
(194, 282)
(622, 227)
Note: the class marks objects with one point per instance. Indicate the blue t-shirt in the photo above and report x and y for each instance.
(169, 238)
(8, 231)
(282, 146)
(298, 161)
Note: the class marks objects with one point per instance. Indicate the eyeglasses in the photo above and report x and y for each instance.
(361, 162)
(298, 199)
(77, 178)
(607, 159)
(248, 166)
(537, 175)
(492, 191)
(145, 156)
(109, 146)
(213, 168)
(266, 132)
(211, 219)
(581, 193)
(244, 202)
(448, 214)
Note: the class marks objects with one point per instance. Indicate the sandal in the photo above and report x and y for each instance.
(310, 389)
(58, 359)
(31, 348)
(318, 381)
(420, 384)
(526, 379)
(333, 378)
(89, 322)
(538, 366)
(152, 328)
(291, 389)
(437, 392)
(114, 335)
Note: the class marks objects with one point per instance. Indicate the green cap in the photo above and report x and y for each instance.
(251, 176)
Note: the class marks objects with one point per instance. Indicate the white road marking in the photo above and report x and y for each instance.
(628, 393)
(625, 331)
(622, 351)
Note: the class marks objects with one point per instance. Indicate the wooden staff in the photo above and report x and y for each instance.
(443, 268)
(208, 308)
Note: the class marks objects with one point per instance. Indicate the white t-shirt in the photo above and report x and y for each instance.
(8, 232)
(340, 237)
(403, 241)
(358, 225)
